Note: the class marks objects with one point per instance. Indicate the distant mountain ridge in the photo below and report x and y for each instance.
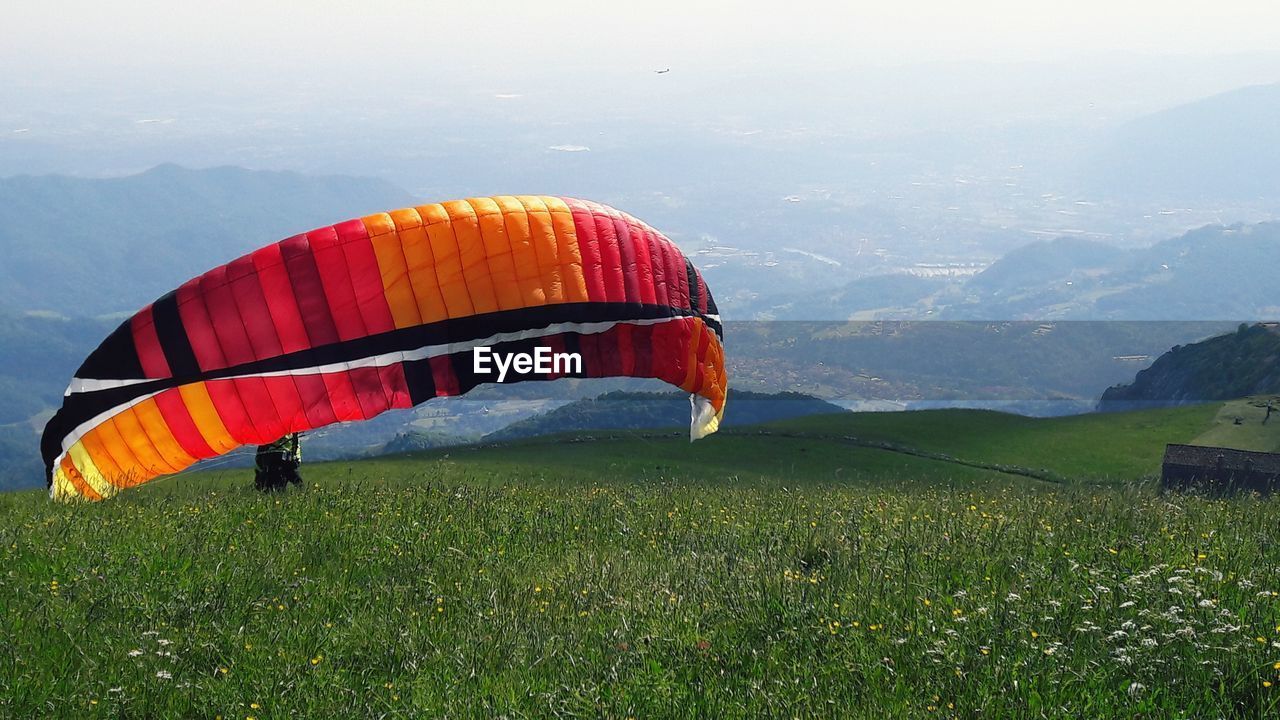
(1223, 146)
(87, 247)
(1226, 367)
(38, 355)
(1214, 272)
(1211, 273)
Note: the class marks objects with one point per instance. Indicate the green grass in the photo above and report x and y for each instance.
(1251, 434)
(742, 576)
(1096, 447)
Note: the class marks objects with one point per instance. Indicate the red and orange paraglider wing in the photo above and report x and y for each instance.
(349, 321)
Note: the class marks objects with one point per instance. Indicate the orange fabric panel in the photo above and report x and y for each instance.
(692, 377)
(154, 425)
(123, 455)
(450, 274)
(384, 235)
(497, 252)
(77, 480)
(569, 254)
(111, 471)
(524, 255)
(420, 264)
(206, 417)
(149, 461)
(716, 362)
(465, 227)
(542, 236)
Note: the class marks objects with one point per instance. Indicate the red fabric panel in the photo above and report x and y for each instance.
(226, 400)
(251, 304)
(261, 408)
(332, 266)
(629, 255)
(641, 344)
(147, 342)
(184, 429)
(195, 318)
(610, 353)
(308, 291)
(658, 265)
(260, 329)
(308, 397)
(315, 399)
(273, 276)
(287, 401)
(670, 343)
(626, 351)
(615, 287)
(589, 246)
(227, 324)
(702, 292)
(672, 271)
(369, 391)
(639, 244)
(366, 277)
(677, 278)
(590, 350)
(442, 374)
(700, 378)
(342, 397)
(395, 386)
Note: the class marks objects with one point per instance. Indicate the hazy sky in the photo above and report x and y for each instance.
(98, 40)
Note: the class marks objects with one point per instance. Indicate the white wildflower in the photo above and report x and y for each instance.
(164, 675)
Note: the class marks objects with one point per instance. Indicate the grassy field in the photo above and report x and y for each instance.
(1251, 434)
(803, 572)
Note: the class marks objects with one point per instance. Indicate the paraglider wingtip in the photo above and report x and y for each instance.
(705, 419)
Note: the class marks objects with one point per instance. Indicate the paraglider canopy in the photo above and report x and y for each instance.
(348, 321)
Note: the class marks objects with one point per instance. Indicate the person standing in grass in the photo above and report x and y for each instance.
(276, 464)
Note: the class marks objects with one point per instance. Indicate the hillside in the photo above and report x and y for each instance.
(730, 572)
(1181, 278)
(877, 552)
(969, 445)
(1040, 368)
(82, 247)
(38, 355)
(637, 411)
(1235, 365)
(1224, 146)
